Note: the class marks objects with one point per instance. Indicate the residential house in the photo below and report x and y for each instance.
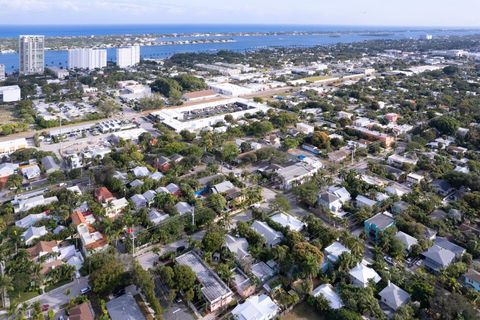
(139, 201)
(237, 246)
(295, 174)
(222, 187)
(125, 307)
(149, 195)
(31, 171)
(361, 275)
(442, 187)
(341, 193)
(328, 293)
(25, 204)
(400, 161)
(115, 207)
(288, 221)
(339, 155)
(184, 208)
(83, 311)
(157, 176)
(155, 217)
(43, 248)
(162, 163)
(242, 283)
(31, 219)
(103, 195)
(136, 183)
(33, 233)
(7, 169)
(362, 201)
(141, 172)
(214, 290)
(49, 164)
(438, 258)
(272, 237)
(92, 240)
(262, 271)
(456, 249)
(378, 223)
(414, 178)
(393, 296)
(399, 207)
(332, 253)
(330, 201)
(407, 240)
(472, 279)
(173, 189)
(256, 307)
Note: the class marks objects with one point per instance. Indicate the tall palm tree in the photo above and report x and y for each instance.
(226, 220)
(5, 286)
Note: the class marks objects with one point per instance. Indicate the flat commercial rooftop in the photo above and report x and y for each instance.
(203, 115)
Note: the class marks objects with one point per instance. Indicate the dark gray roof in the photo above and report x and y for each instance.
(441, 256)
(381, 220)
(444, 243)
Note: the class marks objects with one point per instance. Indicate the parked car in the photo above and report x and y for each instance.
(45, 307)
(389, 260)
(85, 290)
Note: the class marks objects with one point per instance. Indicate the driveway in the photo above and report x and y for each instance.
(147, 257)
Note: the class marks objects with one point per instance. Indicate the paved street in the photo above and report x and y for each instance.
(57, 297)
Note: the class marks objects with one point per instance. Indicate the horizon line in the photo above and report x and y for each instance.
(240, 24)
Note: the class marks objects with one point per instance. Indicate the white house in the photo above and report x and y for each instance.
(305, 128)
(407, 240)
(30, 220)
(341, 193)
(361, 275)
(326, 290)
(330, 201)
(33, 233)
(272, 237)
(288, 221)
(393, 296)
(256, 308)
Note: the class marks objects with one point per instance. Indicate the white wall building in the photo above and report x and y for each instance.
(31, 50)
(87, 58)
(230, 89)
(256, 308)
(182, 118)
(129, 56)
(10, 146)
(10, 93)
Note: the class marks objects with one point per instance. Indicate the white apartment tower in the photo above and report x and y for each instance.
(31, 50)
(129, 56)
(2, 72)
(87, 58)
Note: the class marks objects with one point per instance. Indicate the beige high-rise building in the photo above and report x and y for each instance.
(31, 49)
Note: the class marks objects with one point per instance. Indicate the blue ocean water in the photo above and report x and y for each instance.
(343, 34)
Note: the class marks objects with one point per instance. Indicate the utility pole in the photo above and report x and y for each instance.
(353, 151)
(193, 215)
(132, 233)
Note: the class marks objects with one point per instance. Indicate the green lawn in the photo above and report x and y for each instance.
(302, 311)
(317, 78)
(24, 296)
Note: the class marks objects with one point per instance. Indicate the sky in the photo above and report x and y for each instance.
(447, 13)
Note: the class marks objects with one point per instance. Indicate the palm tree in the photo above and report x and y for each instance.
(226, 220)
(5, 286)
